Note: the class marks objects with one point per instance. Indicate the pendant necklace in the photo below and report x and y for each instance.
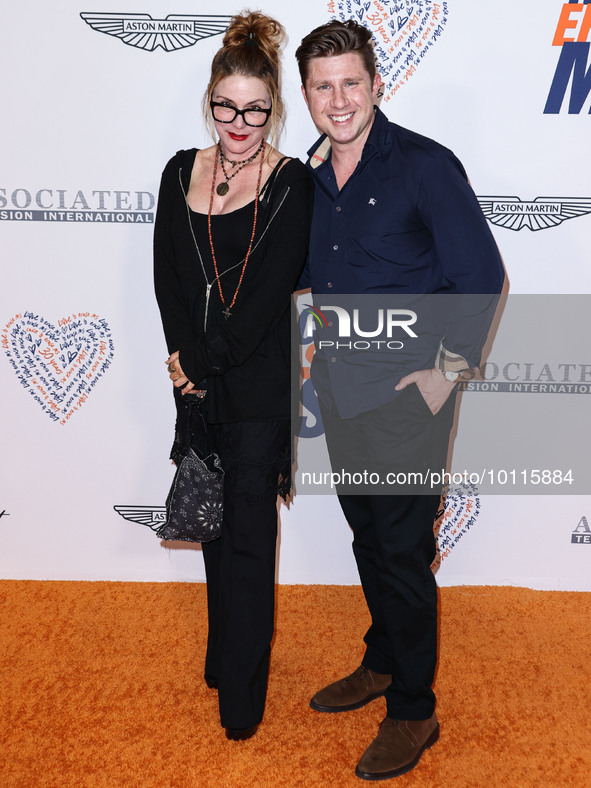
(228, 307)
(223, 188)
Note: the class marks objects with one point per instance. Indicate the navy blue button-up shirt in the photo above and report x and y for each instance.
(405, 222)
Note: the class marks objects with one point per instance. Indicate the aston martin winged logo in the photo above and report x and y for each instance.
(176, 31)
(539, 214)
(152, 516)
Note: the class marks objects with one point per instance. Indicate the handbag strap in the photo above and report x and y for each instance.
(191, 403)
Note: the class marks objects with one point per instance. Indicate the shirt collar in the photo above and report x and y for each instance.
(376, 140)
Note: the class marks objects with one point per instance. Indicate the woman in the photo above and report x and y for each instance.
(230, 241)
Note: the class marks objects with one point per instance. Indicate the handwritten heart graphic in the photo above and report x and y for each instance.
(453, 522)
(60, 366)
(403, 31)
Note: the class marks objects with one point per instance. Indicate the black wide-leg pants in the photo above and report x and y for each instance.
(393, 539)
(240, 567)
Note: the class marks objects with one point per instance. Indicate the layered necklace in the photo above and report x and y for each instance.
(224, 187)
(227, 311)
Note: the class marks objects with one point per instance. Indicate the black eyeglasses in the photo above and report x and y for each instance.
(226, 113)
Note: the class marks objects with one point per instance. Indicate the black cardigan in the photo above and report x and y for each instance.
(246, 358)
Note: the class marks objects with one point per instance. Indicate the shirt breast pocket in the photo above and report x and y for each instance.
(387, 231)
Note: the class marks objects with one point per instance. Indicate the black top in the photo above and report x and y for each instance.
(231, 234)
(246, 357)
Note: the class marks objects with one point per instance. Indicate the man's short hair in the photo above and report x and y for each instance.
(336, 38)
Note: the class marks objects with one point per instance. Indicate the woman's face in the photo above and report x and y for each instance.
(238, 139)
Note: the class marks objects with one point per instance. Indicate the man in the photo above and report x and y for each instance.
(393, 214)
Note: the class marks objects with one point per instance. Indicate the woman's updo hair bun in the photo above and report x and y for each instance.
(253, 29)
(251, 47)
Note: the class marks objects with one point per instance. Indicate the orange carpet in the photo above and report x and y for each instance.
(101, 685)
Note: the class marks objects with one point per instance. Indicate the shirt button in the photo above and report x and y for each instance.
(335, 247)
(338, 208)
(329, 284)
(333, 359)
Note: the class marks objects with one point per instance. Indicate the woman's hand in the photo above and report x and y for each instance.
(176, 374)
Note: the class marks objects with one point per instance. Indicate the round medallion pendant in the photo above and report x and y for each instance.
(223, 188)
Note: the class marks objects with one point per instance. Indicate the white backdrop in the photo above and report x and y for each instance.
(89, 120)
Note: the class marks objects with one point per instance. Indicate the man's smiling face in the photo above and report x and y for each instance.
(340, 95)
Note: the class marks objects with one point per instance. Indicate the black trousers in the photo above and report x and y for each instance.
(240, 567)
(393, 540)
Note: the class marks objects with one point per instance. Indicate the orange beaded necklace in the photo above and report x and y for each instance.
(227, 307)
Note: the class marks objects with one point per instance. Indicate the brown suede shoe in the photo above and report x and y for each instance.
(397, 748)
(352, 692)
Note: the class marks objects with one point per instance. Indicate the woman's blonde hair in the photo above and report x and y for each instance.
(251, 49)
